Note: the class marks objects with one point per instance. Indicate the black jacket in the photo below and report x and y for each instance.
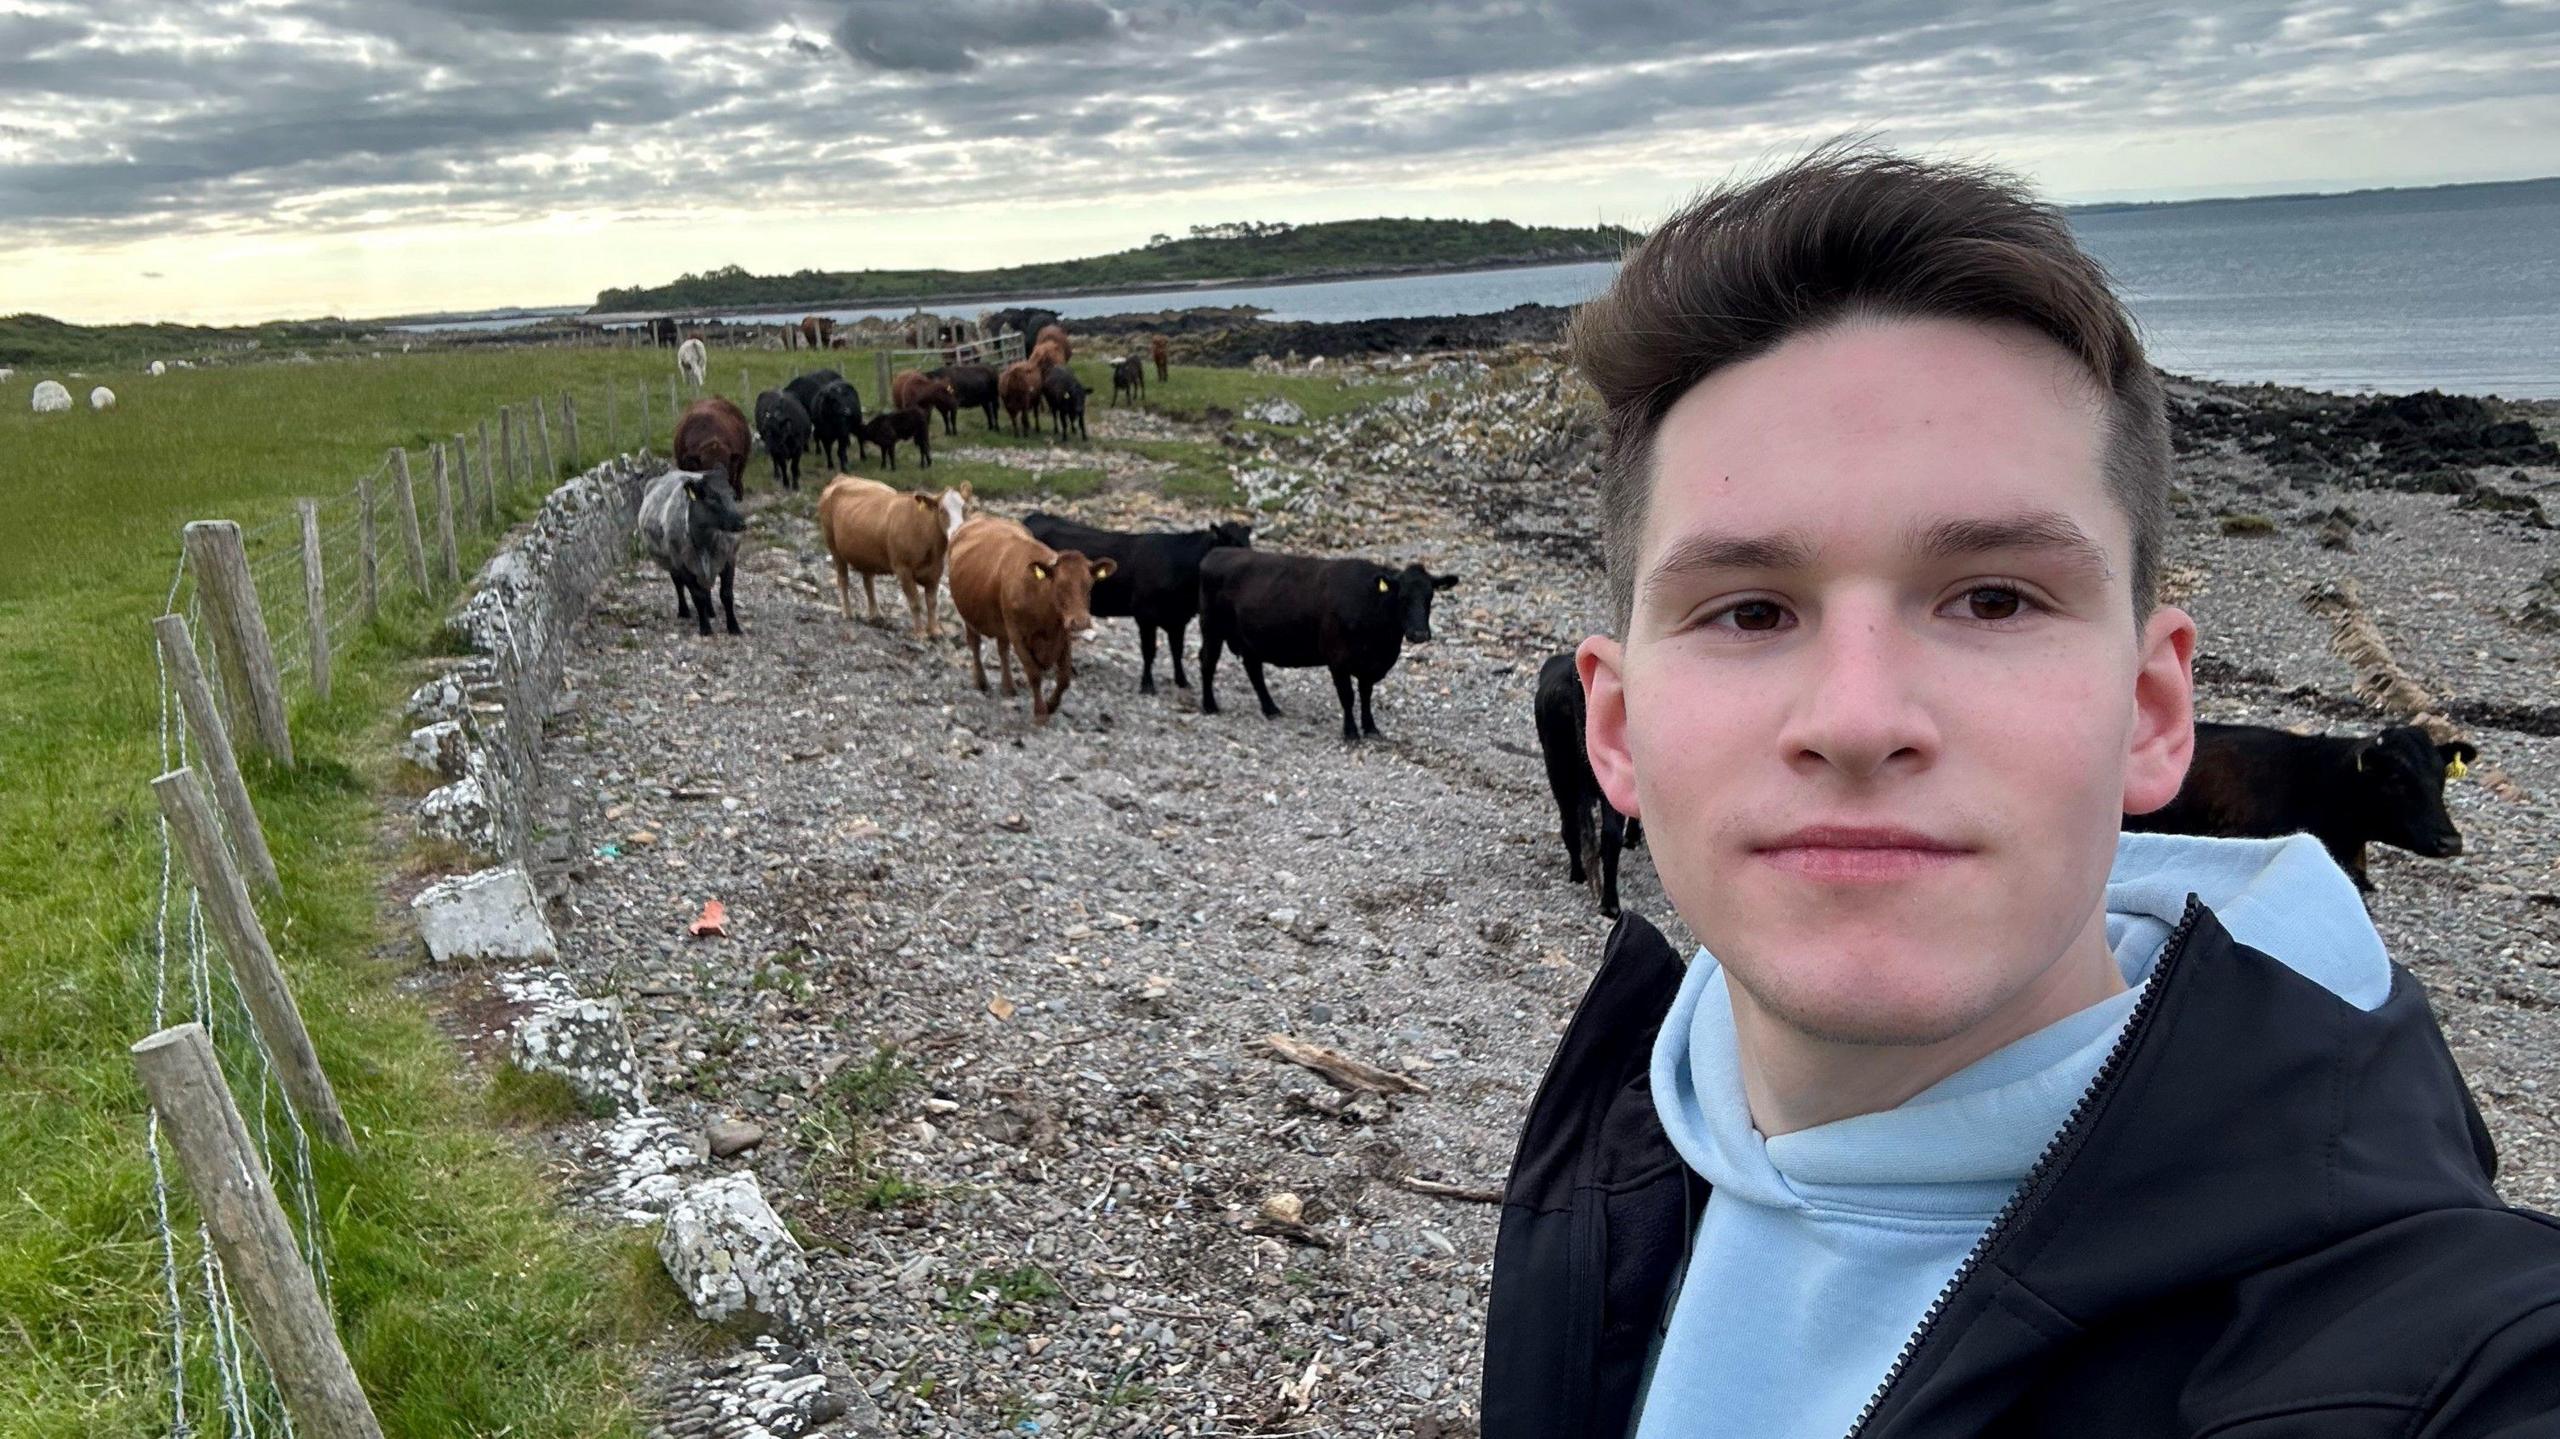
(2270, 1216)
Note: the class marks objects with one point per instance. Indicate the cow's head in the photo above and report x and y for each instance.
(2399, 788)
(1409, 593)
(1231, 532)
(709, 504)
(1070, 581)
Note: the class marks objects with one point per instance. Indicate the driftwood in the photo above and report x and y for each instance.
(1438, 1190)
(1341, 1069)
(2382, 683)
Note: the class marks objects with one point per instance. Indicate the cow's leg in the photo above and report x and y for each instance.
(1573, 824)
(701, 606)
(1368, 712)
(1342, 691)
(1613, 834)
(1146, 658)
(729, 595)
(977, 668)
(1004, 663)
(1253, 672)
(924, 444)
(684, 593)
(870, 600)
(1211, 643)
(1174, 633)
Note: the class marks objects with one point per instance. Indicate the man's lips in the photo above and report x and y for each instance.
(1839, 852)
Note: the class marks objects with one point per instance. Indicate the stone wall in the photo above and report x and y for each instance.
(479, 724)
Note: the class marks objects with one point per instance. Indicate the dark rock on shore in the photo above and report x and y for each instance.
(1238, 343)
(2424, 442)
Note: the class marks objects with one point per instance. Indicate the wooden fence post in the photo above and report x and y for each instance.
(646, 429)
(368, 558)
(488, 477)
(612, 419)
(880, 365)
(746, 392)
(569, 427)
(444, 523)
(469, 507)
(213, 749)
(507, 443)
(407, 494)
(675, 401)
(542, 422)
(260, 1261)
(220, 563)
(315, 597)
(253, 964)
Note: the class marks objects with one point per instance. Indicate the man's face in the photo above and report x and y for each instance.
(1882, 701)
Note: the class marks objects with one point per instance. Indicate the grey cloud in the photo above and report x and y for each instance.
(1129, 99)
(952, 37)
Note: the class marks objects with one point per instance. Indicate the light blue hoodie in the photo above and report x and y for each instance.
(1821, 1250)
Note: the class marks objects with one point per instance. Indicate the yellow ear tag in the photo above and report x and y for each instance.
(1384, 587)
(2454, 768)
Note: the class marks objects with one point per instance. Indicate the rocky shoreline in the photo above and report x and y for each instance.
(997, 1001)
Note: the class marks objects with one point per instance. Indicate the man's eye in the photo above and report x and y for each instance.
(1993, 602)
(1756, 615)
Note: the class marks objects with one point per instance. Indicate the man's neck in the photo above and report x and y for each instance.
(1795, 1080)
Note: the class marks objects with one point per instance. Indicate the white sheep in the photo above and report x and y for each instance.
(693, 361)
(51, 398)
(102, 398)
(159, 368)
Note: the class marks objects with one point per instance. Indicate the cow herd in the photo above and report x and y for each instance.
(1034, 587)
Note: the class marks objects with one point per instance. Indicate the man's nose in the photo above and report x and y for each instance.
(1859, 709)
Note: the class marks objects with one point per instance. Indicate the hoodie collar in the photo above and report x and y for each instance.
(1960, 1147)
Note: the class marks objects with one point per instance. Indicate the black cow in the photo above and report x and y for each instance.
(888, 427)
(971, 385)
(1128, 377)
(1157, 582)
(1351, 616)
(2251, 782)
(835, 415)
(1591, 858)
(783, 423)
(1064, 394)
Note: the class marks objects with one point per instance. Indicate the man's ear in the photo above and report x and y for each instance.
(2163, 737)
(1600, 661)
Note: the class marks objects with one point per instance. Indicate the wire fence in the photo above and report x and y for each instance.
(320, 573)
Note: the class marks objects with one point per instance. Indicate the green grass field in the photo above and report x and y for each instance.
(469, 1305)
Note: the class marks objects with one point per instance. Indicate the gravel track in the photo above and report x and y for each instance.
(1073, 938)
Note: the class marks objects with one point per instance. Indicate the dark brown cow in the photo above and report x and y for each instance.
(712, 434)
(916, 390)
(1018, 388)
(817, 332)
(1055, 334)
(1157, 347)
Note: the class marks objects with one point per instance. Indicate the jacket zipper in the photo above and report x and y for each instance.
(2048, 1165)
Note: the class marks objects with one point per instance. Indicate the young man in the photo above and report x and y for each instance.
(1972, 1116)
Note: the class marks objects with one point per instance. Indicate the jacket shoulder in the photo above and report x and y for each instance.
(2450, 1316)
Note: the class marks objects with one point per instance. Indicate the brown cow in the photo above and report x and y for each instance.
(873, 530)
(712, 434)
(1055, 334)
(1018, 388)
(915, 390)
(1033, 601)
(1046, 356)
(817, 332)
(1156, 347)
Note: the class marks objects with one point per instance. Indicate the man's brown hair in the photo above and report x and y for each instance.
(1850, 232)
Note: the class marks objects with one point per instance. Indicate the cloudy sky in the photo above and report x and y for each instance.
(255, 158)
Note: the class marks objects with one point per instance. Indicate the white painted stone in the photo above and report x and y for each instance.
(51, 398)
(1275, 411)
(159, 367)
(737, 1265)
(489, 915)
(440, 748)
(102, 398)
(584, 1042)
(461, 812)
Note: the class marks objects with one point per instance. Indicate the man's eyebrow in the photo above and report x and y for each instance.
(2048, 530)
(1784, 550)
